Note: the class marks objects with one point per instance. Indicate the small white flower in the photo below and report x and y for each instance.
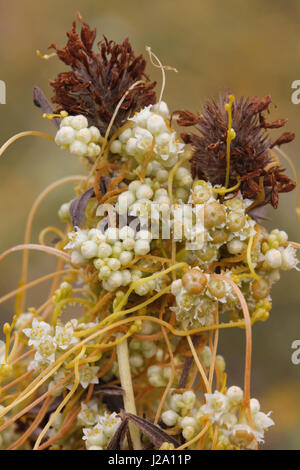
(289, 258)
(125, 135)
(216, 404)
(141, 247)
(254, 405)
(64, 336)
(227, 420)
(170, 417)
(78, 148)
(116, 146)
(262, 421)
(46, 350)
(156, 124)
(141, 118)
(88, 414)
(273, 259)
(143, 140)
(89, 249)
(243, 436)
(88, 375)
(37, 333)
(76, 239)
(65, 136)
(162, 109)
(235, 395)
(109, 423)
(94, 436)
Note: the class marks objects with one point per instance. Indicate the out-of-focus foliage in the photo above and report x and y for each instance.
(252, 47)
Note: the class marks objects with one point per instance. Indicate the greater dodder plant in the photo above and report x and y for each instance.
(162, 248)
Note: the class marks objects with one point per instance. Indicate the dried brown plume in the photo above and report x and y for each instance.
(251, 157)
(98, 80)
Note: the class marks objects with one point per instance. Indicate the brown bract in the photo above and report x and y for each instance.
(98, 80)
(251, 158)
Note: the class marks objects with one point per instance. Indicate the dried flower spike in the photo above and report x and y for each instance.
(251, 158)
(98, 80)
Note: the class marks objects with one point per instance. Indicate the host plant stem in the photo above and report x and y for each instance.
(126, 384)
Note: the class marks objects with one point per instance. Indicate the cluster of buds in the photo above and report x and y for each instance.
(159, 376)
(226, 410)
(150, 130)
(76, 136)
(110, 252)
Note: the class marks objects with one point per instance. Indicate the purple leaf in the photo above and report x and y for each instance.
(188, 363)
(108, 390)
(41, 102)
(118, 438)
(78, 207)
(156, 435)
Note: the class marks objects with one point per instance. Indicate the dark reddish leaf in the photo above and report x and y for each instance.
(285, 138)
(78, 207)
(104, 182)
(156, 435)
(119, 436)
(108, 390)
(41, 102)
(189, 361)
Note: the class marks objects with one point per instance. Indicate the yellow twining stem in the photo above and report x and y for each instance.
(224, 190)
(162, 68)
(251, 268)
(24, 134)
(64, 402)
(150, 278)
(230, 136)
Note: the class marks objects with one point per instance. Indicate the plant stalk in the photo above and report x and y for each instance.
(126, 384)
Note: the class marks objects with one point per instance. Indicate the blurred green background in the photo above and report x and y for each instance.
(253, 47)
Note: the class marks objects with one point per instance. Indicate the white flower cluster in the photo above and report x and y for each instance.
(50, 344)
(226, 410)
(139, 350)
(205, 356)
(75, 135)
(110, 252)
(276, 256)
(150, 131)
(98, 436)
(180, 413)
(143, 200)
(158, 376)
(197, 295)
(90, 412)
(157, 177)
